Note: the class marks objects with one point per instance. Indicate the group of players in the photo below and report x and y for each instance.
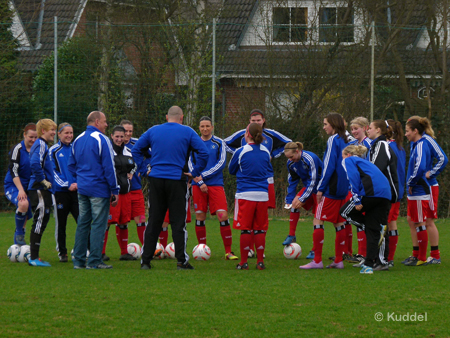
(360, 181)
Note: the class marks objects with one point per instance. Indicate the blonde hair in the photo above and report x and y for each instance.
(426, 123)
(293, 146)
(44, 124)
(355, 150)
(360, 121)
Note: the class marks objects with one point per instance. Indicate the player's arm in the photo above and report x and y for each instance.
(353, 178)
(233, 166)
(442, 160)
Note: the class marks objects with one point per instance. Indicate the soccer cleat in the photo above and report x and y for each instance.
(100, 266)
(158, 252)
(128, 257)
(251, 254)
(334, 265)
(346, 256)
(381, 267)
(260, 266)
(38, 262)
(407, 260)
(79, 267)
(352, 259)
(63, 258)
(415, 262)
(310, 255)
(289, 240)
(311, 265)
(382, 234)
(360, 264)
(20, 240)
(242, 267)
(366, 270)
(391, 264)
(431, 260)
(146, 266)
(332, 258)
(105, 258)
(230, 256)
(185, 266)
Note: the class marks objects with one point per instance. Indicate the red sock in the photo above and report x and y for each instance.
(200, 231)
(435, 252)
(225, 231)
(260, 243)
(362, 242)
(293, 221)
(339, 244)
(393, 240)
(105, 240)
(422, 238)
(245, 246)
(163, 235)
(252, 241)
(122, 238)
(318, 236)
(349, 238)
(140, 231)
(415, 251)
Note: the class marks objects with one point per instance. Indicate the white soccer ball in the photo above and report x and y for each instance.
(163, 254)
(201, 252)
(251, 253)
(134, 250)
(292, 251)
(13, 252)
(24, 254)
(170, 250)
(87, 254)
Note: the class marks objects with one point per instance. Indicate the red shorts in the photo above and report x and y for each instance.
(418, 210)
(435, 196)
(251, 215)
(215, 198)
(328, 210)
(394, 212)
(137, 204)
(272, 201)
(349, 196)
(121, 213)
(310, 203)
(188, 215)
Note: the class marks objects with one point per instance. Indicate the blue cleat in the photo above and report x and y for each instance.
(38, 262)
(289, 240)
(310, 255)
(19, 240)
(432, 260)
(367, 270)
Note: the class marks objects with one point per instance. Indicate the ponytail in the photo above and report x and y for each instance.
(426, 124)
(255, 132)
(384, 127)
(293, 146)
(397, 133)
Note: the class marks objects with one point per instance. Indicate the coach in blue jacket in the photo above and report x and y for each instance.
(171, 144)
(92, 165)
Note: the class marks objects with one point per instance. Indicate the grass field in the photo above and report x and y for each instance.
(215, 300)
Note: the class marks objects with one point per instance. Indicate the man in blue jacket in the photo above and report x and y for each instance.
(171, 144)
(92, 165)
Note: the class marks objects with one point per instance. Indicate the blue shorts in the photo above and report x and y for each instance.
(11, 193)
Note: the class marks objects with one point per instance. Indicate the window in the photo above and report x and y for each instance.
(332, 25)
(290, 24)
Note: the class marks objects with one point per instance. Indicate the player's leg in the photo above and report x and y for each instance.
(260, 227)
(41, 203)
(62, 209)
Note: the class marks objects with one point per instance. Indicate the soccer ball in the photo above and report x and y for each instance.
(134, 250)
(251, 253)
(163, 255)
(201, 252)
(24, 254)
(13, 252)
(170, 250)
(292, 251)
(87, 254)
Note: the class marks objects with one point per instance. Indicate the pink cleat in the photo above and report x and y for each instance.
(312, 265)
(334, 265)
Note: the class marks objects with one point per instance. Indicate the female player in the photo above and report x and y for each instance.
(251, 164)
(385, 159)
(435, 165)
(40, 187)
(66, 190)
(420, 198)
(121, 213)
(17, 179)
(396, 144)
(370, 202)
(305, 166)
(209, 191)
(358, 126)
(331, 193)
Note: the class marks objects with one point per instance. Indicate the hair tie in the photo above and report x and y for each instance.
(67, 125)
(387, 124)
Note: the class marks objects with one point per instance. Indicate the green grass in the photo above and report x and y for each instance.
(215, 300)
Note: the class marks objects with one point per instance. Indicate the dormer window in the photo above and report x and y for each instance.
(290, 24)
(332, 24)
